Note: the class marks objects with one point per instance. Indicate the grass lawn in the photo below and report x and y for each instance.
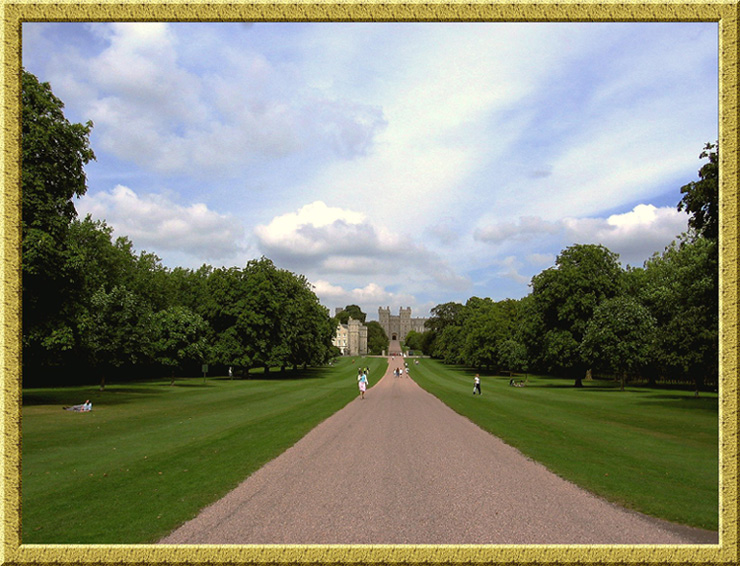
(150, 455)
(649, 449)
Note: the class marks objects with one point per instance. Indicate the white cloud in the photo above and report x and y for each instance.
(368, 298)
(150, 109)
(634, 235)
(318, 231)
(156, 223)
(331, 240)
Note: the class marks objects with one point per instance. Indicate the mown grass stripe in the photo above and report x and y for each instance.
(150, 456)
(653, 450)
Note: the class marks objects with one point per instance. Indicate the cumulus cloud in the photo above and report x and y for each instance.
(156, 223)
(319, 232)
(332, 240)
(634, 235)
(368, 298)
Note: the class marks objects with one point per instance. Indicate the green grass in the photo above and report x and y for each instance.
(150, 456)
(651, 450)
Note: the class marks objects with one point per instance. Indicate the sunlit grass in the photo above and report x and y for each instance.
(150, 455)
(653, 450)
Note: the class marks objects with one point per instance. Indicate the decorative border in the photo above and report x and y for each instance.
(13, 13)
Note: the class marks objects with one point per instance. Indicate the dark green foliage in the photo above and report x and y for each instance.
(701, 198)
(353, 311)
(377, 339)
(681, 290)
(564, 298)
(620, 337)
(53, 154)
(92, 305)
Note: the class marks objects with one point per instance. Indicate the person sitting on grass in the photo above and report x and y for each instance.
(85, 407)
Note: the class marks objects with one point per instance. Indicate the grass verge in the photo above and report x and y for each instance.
(150, 455)
(652, 450)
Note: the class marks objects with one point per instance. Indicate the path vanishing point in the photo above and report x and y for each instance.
(400, 467)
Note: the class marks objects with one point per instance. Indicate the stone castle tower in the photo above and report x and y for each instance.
(398, 326)
(357, 338)
(351, 338)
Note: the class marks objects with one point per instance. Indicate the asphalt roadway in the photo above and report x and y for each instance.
(400, 467)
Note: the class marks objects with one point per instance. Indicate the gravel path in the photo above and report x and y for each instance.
(399, 467)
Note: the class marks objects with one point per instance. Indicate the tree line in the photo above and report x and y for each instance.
(588, 314)
(94, 308)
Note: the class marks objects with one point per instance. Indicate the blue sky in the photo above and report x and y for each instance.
(393, 164)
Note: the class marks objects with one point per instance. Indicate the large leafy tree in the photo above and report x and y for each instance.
(178, 336)
(443, 328)
(701, 198)
(54, 152)
(680, 287)
(486, 325)
(116, 331)
(619, 337)
(564, 298)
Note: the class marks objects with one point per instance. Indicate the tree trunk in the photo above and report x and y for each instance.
(102, 383)
(623, 380)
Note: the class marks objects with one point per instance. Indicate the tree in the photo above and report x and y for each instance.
(413, 340)
(486, 324)
(377, 339)
(116, 330)
(619, 337)
(53, 153)
(353, 311)
(443, 316)
(564, 298)
(680, 287)
(178, 336)
(513, 355)
(701, 198)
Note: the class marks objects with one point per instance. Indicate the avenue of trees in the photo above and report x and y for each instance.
(656, 322)
(94, 308)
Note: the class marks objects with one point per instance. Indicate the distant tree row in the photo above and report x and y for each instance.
(94, 307)
(659, 321)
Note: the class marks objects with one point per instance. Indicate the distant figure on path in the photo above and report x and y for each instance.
(362, 383)
(477, 385)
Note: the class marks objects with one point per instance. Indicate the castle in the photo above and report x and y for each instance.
(397, 327)
(351, 338)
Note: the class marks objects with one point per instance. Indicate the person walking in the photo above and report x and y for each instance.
(362, 384)
(476, 387)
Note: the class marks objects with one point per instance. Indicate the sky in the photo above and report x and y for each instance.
(392, 164)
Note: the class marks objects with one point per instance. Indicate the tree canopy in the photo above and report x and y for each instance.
(92, 306)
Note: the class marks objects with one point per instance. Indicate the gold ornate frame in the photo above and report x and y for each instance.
(15, 12)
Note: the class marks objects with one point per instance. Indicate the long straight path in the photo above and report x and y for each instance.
(399, 467)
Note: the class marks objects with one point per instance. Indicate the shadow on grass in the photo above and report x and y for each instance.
(131, 392)
(710, 404)
(113, 395)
